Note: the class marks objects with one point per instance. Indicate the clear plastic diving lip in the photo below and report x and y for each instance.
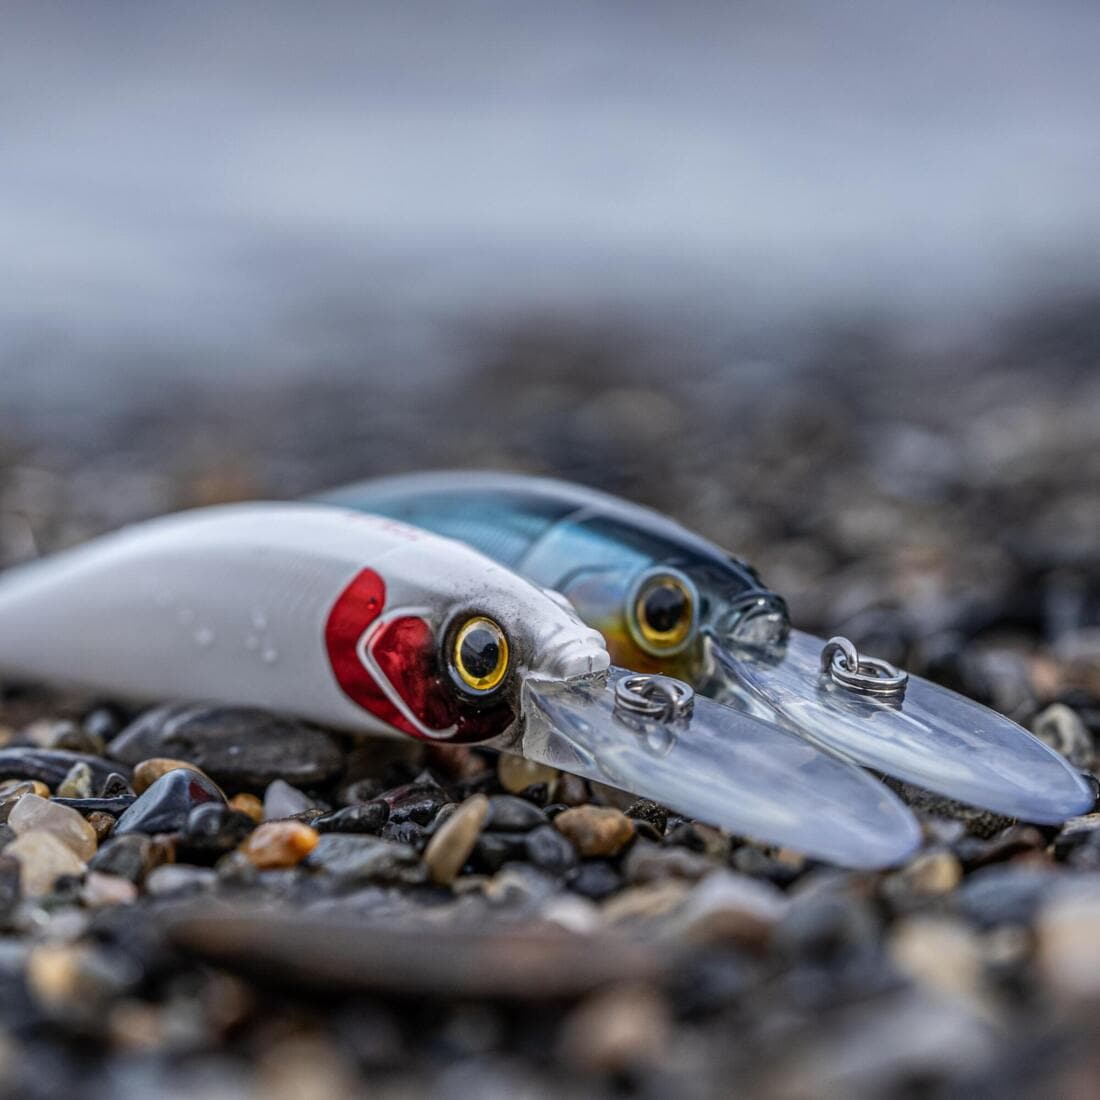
(928, 736)
(722, 766)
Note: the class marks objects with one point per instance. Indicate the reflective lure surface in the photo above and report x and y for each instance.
(667, 600)
(366, 624)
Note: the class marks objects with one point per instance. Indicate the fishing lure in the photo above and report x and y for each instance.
(366, 624)
(669, 601)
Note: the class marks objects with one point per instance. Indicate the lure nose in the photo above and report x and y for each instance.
(759, 618)
(580, 653)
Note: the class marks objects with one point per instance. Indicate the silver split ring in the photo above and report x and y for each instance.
(867, 675)
(659, 697)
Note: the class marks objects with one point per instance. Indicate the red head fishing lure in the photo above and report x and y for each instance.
(365, 624)
(667, 600)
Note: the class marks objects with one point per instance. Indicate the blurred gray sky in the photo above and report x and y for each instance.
(216, 187)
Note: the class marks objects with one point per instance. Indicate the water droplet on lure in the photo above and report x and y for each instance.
(259, 619)
(270, 655)
(252, 642)
(204, 636)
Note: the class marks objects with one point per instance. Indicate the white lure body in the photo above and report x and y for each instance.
(232, 604)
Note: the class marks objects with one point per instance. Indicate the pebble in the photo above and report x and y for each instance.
(280, 844)
(618, 1030)
(165, 806)
(147, 772)
(359, 859)
(510, 814)
(494, 850)
(43, 859)
(74, 981)
(595, 879)
(571, 790)
(648, 862)
(213, 828)
(78, 783)
(930, 874)
(1067, 938)
(516, 773)
(943, 955)
(547, 848)
(727, 907)
(249, 805)
(130, 857)
(282, 800)
(51, 766)
(1062, 729)
(34, 813)
(652, 813)
(171, 878)
(366, 817)
(237, 748)
(102, 823)
(596, 830)
(102, 890)
(451, 846)
(1003, 894)
(115, 785)
(644, 903)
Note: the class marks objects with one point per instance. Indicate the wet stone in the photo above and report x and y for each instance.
(516, 773)
(147, 772)
(282, 800)
(43, 860)
(235, 747)
(116, 806)
(77, 784)
(596, 830)
(550, 850)
(102, 723)
(129, 857)
(165, 806)
(1063, 730)
(280, 844)
(417, 802)
(510, 814)
(34, 813)
(452, 844)
(358, 859)
(51, 766)
(365, 817)
(212, 829)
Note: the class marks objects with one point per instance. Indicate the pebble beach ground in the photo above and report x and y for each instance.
(203, 902)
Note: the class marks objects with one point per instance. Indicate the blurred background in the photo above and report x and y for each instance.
(823, 281)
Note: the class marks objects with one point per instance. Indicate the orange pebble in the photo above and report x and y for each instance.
(280, 844)
(249, 805)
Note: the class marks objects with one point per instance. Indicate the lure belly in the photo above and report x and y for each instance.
(363, 623)
(669, 601)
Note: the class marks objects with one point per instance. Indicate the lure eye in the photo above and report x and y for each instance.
(664, 612)
(480, 656)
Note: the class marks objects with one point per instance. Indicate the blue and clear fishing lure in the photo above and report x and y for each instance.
(668, 601)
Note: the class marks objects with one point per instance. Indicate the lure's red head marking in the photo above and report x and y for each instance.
(403, 650)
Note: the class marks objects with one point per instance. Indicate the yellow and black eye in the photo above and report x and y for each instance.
(480, 656)
(664, 612)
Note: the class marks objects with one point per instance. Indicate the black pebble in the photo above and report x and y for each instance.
(510, 814)
(405, 832)
(595, 879)
(165, 806)
(367, 817)
(126, 856)
(548, 849)
(493, 850)
(51, 766)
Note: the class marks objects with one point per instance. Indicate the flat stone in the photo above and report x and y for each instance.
(516, 773)
(43, 859)
(34, 813)
(165, 806)
(51, 766)
(280, 844)
(358, 858)
(595, 830)
(236, 747)
(454, 841)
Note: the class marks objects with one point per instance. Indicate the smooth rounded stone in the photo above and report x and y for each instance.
(1003, 894)
(281, 800)
(653, 901)
(165, 806)
(51, 766)
(235, 747)
(179, 878)
(943, 955)
(513, 815)
(649, 862)
(249, 805)
(625, 1028)
(130, 857)
(34, 813)
(596, 830)
(1063, 730)
(451, 846)
(494, 850)
(550, 850)
(356, 858)
(929, 874)
(280, 844)
(77, 784)
(726, 907)
(1016, 840)
(100, 890)
(516, 773)
(43, 859)
(213, 829)
(147, 772)
(595, 879)
(365, 817)
(1067, 941)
